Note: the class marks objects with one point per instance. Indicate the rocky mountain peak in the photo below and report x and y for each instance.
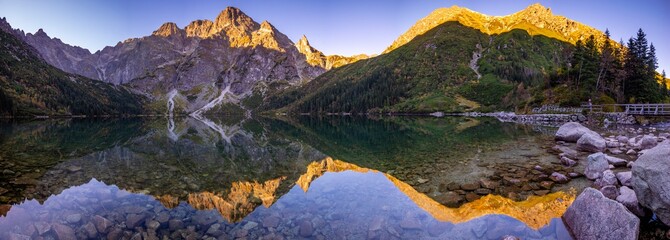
(167, 29)
(199, 28)
(267, 27)
(303, 46)
(232, 17)
(40, 32)
(537, 8)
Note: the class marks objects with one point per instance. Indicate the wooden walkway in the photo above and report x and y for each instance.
(653, 109)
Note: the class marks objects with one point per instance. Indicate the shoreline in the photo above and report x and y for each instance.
(616, 166)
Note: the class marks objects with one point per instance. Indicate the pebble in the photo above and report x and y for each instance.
(306, 228)
(73, 218)
(250, 225)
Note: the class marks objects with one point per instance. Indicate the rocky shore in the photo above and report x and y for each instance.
(629, 173)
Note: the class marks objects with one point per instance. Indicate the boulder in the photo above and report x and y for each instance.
(615, 161)
(591, 142)
(651, 178)
(596, 164)
(628, 198)
(625, 178)
(571, 132)
(622, 139)
(609, 178)
(647, 142)
(593, 216)
(610, 191)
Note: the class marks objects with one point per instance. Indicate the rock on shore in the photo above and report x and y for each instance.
(572, 131)
(651, 180)
(593, 216)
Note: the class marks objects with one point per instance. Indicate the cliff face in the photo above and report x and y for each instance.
(198, 68)
(535, 19)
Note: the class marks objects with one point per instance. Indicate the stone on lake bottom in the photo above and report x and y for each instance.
(559, 178)
(63, 232)
(470, 186)
(101, 223)
(271, 221)
(306, 228)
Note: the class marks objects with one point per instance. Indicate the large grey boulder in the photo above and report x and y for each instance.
(628, 198)
(591, 142)
(625, 178)
(647, 142)
(571, 132)
(651, 180)
(615, 161)
(593, 216)
(596, 164)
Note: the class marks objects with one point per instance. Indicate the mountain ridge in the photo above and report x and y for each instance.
(199, 61)
(535, 19)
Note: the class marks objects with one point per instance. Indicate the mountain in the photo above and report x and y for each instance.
(30, 86)
(205, 66)
(458, 60)
(535, 19)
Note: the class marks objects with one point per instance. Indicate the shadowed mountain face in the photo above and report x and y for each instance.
(30, 86)
(197, 67)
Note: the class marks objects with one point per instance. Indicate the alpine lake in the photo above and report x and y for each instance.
(337, 177)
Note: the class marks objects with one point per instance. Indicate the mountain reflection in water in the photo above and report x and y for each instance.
(183, 178)
(348, 202)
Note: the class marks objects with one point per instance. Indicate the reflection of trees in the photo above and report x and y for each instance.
(386, 143)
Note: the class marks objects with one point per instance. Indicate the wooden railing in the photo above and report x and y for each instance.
(632, 109)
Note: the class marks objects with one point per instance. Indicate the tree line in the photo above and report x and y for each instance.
(625, 72)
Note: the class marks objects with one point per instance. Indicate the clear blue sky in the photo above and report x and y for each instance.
(343, 27)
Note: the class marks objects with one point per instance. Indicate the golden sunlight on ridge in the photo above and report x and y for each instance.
(534, 212)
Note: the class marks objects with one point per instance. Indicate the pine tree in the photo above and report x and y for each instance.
(607, 59)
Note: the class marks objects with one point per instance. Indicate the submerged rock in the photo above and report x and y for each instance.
(63, 232)
(596, 164)
(559, 178)
(593, 216)
(651, 178)
(571, 132)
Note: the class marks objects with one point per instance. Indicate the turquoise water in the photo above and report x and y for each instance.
(190, 178)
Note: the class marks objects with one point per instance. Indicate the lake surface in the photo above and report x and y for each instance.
(306, 177)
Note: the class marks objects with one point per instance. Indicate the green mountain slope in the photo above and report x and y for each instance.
(433, 72)
(29, 86)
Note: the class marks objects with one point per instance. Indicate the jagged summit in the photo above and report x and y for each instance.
(232, 17)
(537, 8)
(536, 19)
(167, 29)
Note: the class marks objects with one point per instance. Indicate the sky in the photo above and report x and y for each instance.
(344, 27)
